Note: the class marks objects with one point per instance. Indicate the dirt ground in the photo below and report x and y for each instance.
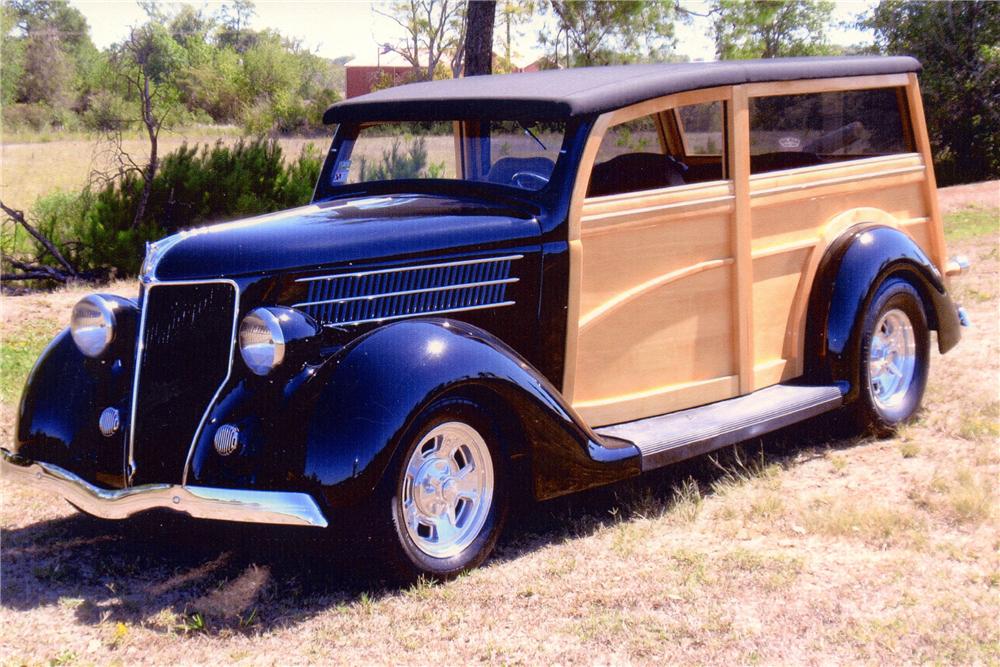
(985, 194)
(805, 547)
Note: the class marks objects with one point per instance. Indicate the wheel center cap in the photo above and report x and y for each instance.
(433, 488)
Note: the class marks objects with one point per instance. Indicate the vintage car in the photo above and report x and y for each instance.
(520, 285)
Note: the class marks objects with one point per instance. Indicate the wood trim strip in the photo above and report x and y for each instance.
(771, 88)
(660, 104)
(738, 120)
(835, 181)
(576, 252)
(629, 295)
(691, 203)
(793, 246)
(916, 105)
(657, 401)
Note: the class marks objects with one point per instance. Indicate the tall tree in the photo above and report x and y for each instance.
(770, 28)
(511, 15)
(146, 64)
(600, 32)
(431, 28)
(234, 20)
(959, 46)
(50, 49)
(479, 19)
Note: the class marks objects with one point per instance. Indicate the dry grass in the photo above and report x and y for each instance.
(797, 549)
(29, 170)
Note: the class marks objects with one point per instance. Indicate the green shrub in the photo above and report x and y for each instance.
(194, 186)
(397, 164)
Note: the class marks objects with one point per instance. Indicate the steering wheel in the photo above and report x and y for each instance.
(529, 180)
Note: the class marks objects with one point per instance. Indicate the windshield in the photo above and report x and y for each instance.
(517, 154)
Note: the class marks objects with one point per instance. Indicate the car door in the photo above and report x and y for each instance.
(657, 300)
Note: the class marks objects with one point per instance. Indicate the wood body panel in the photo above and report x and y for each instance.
(796, 214)
(693, 294)
(656, 302)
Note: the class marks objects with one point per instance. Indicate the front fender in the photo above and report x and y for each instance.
(846, 280)
(375, 390)
(61, 405)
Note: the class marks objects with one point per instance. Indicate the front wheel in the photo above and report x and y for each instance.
(448, 500)
(894, 358)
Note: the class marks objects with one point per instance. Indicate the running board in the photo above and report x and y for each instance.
(682, 435)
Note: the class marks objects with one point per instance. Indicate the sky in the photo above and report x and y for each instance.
(334, 28)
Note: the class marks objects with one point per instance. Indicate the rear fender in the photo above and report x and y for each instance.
(846, 280)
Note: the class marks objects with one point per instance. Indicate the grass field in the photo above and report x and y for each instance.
(31, 169)
(800, 548)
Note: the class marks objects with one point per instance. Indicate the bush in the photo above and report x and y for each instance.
(194, 186)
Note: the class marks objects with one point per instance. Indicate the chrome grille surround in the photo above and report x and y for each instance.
(149, 284)
(363, 297)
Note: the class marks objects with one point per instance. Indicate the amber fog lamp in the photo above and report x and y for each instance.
(93, 324)
(268, 334)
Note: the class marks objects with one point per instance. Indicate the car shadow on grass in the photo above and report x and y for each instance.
(177, 575)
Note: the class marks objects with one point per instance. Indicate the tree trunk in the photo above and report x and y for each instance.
(479, 37)
(149, 120)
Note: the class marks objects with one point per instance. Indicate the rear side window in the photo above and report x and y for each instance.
(790, 131)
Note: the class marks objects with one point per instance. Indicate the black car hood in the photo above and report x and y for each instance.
(344, 231)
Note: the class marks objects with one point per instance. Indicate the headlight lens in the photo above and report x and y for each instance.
(262, 342)
(92, 325)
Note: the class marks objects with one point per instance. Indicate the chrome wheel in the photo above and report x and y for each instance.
(891, 358)
(447, 489)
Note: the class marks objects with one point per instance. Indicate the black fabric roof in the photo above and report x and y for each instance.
(560, 94)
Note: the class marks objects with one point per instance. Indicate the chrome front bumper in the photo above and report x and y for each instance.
(274, 507)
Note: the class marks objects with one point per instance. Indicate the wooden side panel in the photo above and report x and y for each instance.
(656, 306)
(796, 214)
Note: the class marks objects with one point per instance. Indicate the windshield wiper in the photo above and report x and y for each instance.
(532, 135)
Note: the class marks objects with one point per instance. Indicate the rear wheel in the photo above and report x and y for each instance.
(448, 501)
(894, 358)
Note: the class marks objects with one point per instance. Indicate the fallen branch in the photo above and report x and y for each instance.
(18, 217)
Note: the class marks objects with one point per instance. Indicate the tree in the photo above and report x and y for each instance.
(479, 19)
(770, 28)
(50, 51)
(431, 28)
(601, 33)
(146, 65)
(234, 20)
(959, 46)
(510, 16)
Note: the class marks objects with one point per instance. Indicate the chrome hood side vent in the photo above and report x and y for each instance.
(430, 289)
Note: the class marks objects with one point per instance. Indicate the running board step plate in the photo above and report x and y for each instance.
(682, 435)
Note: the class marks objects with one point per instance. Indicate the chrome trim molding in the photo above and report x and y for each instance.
(399, 269)
(149, 284)
(270, 507)
(957, 265)
(427, 290)
(424, 314)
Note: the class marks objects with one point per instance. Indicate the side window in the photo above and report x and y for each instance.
(701, 127)
(790, 131)
(632, 158)
(635, 156)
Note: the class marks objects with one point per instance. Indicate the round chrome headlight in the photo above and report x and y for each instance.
(92, 325)
(262, 342)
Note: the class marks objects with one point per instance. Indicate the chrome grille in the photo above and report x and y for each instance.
(184, 358)
(374, 296)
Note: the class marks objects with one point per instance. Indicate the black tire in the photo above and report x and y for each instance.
(880, 408)
(406, 551)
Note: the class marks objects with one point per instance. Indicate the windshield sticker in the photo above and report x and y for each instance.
(343, 170)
